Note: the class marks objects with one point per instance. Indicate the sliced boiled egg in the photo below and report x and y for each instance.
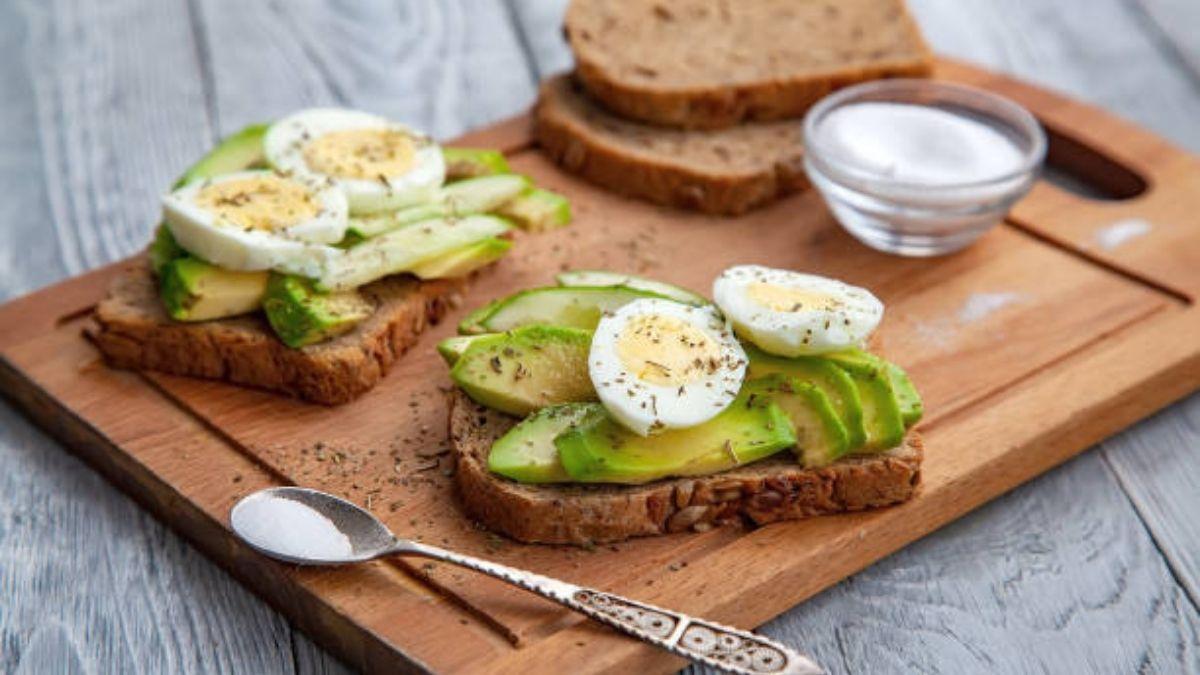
(789, 314)
(659, 364)
(259, 220)
(381, 165)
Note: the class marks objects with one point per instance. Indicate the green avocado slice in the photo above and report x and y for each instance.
(302, 315)
(537, 210)
(403, 249)
(193, 290)
(838, 386)
(881, 409)
(464, 163)
(821, 438)
(912, 409)
(598, 449)
(465, 260)
(452, 348)
(911, 406)
(606, 278)
(527, 453)
(238, 152)
(527, 368)
(464, 198)
(163, 249)
(579, 307)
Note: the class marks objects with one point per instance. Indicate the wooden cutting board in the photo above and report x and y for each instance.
(1066, 324)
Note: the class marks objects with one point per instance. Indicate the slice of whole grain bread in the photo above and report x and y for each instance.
(773, 489)
(132, 330)
(706, 64)
(729, 171)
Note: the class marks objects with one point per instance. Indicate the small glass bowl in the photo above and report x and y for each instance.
(921, 218)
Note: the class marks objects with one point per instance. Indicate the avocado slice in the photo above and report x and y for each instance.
(881, 409)
(465, 260)
(911, 406)
(452, 348)
(463, 163)
(466, 197)
(821, 437)
(527, 454)
(537, 210)
(551, 305)
(302, 315)
(193, 290)
(163, 249)
(365, 227)
(599, 450)
(526, 369)
(912, 409)
(402, 249)
(238, 152)
(838, 386)
(483, 194)
(606, 278)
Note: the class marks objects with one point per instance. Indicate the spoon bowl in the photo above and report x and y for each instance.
(336, 531)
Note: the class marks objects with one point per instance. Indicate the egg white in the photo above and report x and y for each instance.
(300, 249)
(844, 317)
(647, 407)
(286, 139)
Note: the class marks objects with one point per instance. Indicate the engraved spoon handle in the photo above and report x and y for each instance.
(730, 649)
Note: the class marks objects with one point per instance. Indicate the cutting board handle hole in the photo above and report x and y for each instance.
(1083, 170)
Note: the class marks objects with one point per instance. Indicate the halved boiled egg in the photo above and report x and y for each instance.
(259, 220)
(790, 314)
(381, 165)
(659, 364)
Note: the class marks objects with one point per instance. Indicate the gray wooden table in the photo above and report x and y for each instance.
(1094, 567)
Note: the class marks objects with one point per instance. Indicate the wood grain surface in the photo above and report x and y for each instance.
(102, 114)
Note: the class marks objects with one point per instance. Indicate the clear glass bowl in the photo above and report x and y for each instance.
(921, 218)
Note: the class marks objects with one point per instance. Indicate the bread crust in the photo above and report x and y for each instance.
(763, 492)
(132, 330)
(618, 155)
(722, 104)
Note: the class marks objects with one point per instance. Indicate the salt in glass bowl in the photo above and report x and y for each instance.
(920, 217)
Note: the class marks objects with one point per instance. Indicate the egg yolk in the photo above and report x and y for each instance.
(666, 351)
(787, 299)
(366, 154)
(260, 203)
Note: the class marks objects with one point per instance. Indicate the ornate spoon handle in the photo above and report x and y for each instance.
(730, 649)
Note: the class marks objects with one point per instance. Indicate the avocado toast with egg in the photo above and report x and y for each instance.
(305, 256)
(612, 406)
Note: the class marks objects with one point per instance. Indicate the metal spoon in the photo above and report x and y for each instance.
(308, 527)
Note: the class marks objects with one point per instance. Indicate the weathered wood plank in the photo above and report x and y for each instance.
(1156, 465)
(541, 23)
(118, 112)
(444, 67)
(25, 207)
(1174, 21)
